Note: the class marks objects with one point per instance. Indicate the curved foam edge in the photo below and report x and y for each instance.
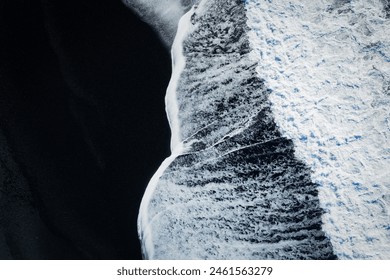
(178, 64)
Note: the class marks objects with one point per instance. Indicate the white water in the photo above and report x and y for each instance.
(178, 64)
(330, 76)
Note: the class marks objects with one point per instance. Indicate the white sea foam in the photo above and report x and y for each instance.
(143, 217)
(329, 69)
(178, 64)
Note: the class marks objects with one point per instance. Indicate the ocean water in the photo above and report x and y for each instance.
(328, 66)
(280, 134)
(233, 188)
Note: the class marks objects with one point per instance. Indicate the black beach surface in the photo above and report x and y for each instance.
(82, 127)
